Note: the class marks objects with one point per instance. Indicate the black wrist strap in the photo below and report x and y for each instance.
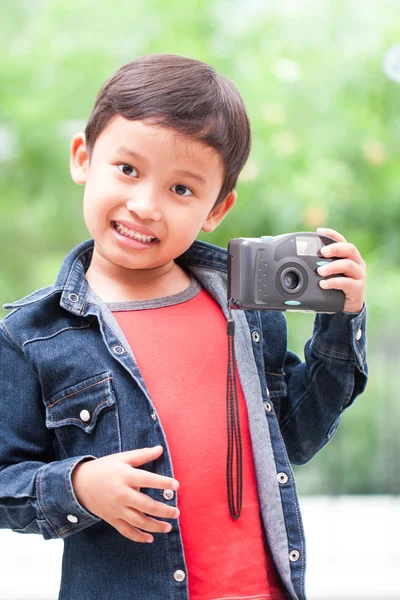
(234, 475)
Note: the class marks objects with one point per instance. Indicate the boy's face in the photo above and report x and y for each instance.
(157, 189)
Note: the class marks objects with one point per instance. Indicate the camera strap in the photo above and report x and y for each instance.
(233, 423)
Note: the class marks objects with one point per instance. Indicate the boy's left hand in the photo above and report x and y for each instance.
(352, 266)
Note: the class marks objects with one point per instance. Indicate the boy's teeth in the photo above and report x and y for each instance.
(132, 234)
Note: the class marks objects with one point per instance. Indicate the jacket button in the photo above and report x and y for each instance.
(179, 575)
(118, 350)
(73, 297)
(267, 406)
(168, 494)
(72, 518)
(154, 416)
(294, 555)
(85, 415)
(282, 478)
(358, 334)
(256, 336)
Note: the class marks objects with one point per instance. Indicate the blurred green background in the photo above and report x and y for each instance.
(326, 131)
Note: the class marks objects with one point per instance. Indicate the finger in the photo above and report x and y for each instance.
(145, 504)
(343, 250)
(130, 532)
(139, 457)
(331, 233)
(138, 519)
(351, 287)
(346, 267)
(140, 478)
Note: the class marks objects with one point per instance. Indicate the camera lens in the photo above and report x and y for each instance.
(291, 281)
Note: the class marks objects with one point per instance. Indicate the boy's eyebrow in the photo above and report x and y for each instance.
(124, 150)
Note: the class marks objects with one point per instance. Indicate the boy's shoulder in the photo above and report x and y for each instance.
(31, 298)
(36, 315)
(204, 254)
(40, 314)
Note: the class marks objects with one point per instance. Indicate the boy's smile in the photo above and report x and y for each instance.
(148, 192)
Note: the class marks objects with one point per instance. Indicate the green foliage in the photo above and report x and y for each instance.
(326, 130)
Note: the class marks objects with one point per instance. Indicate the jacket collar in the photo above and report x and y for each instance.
(75, 288)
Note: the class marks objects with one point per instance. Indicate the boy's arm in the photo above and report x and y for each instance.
(36, 494)
(335, 370)
(334, 373)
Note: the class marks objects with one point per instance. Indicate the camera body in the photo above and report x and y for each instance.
(280, 273)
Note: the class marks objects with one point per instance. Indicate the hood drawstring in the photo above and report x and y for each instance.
(233, 423)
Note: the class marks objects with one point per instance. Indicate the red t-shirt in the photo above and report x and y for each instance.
(182, 353)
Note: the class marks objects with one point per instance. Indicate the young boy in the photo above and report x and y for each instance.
(113, 381)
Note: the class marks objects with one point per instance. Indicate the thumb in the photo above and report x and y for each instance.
(141, 456)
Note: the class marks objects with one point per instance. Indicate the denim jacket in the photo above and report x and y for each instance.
(62, 352)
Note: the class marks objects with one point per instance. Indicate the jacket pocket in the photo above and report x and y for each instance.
(85, 418)
(277, 387)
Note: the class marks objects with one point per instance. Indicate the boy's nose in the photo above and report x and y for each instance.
(145, 203)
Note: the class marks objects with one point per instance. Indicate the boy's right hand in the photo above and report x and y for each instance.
(109, 487)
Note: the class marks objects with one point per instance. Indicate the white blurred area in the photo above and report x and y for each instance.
(352, 541)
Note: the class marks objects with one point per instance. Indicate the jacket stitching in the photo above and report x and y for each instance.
(48, 337)
(28, 528)
(21, 304)
(42, 502)
(8, 333)
(66, 474)
(74, 418)
(72, 270)
(168, 548)
(85, 523)
(116, 415)
(71, 273)
(130, 353)
(286, 458)
(82, 390)
(331, 354)
(11, 339)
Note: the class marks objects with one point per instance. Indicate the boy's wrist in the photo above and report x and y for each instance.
(341, 336)
(76, 480)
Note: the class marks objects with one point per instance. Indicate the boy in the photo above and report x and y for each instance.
(113, 380)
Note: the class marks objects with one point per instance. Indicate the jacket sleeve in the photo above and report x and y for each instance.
(334, 373)
(36, 494)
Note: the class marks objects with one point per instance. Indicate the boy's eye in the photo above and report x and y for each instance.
(126, 169)
(180, 190)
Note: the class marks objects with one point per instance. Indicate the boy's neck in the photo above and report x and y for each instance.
(112, 288)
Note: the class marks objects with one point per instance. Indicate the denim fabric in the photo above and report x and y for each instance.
(62, 351)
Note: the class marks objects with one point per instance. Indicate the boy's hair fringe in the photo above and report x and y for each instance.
(183, 94)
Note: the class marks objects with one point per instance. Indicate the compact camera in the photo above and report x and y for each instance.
(280, 273)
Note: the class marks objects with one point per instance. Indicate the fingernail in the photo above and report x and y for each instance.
(321, 270)
(322, 229)
(167, 528)
(150, 540)
(323, 284)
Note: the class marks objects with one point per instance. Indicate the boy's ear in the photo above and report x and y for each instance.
(219, 212)
(79, 159)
